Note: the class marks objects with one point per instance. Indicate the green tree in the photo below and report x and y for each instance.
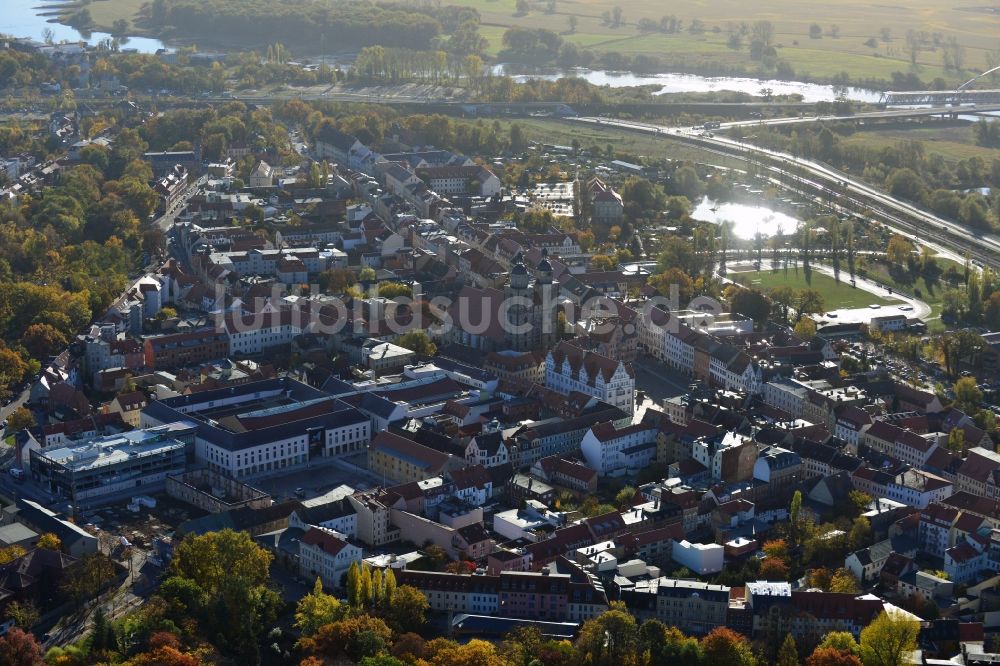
(861, 534)
(317, 609)
(808, 301)
(752, 303)
(842, 641)
(418, 342)
(956, 441)
(968, 397)
(899, 250)
(889, 640)
(225, 577)
(795, 518)
(625, 496)
(24, 613)
(687, 183)
(367, 274)
(788, 654)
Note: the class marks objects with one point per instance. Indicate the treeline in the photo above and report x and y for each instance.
(378, 63)
(905, 169)
(330, 24)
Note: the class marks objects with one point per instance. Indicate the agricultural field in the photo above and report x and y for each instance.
(954, 142)
(864, 40)
(106, 12)
(854, 22)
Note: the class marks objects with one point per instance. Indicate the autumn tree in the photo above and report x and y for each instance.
(843, 581)
(828, 656)
(888, 640)
(10, 553)
(724, 647)
(353, 636)
(773, 568)
(19, 648)
(49, 541)
(805, 329)
(20, 419)
(776, 548)
(43, 340)
(317, 609)
(609, 639)
(673, 282)
(408, 610)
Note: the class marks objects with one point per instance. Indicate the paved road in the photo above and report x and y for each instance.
(899, 215)
(165, 221)
(874, 115)
(921, 310)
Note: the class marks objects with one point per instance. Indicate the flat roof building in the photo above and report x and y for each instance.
(116, 466)
(265, 426)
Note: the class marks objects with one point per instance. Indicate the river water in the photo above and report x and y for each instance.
(24, 18)
(683, 83)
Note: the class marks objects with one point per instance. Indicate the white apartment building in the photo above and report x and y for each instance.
(326, 554)
(612, 451)
(569, 368)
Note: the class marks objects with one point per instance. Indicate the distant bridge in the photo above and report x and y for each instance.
(941, 97)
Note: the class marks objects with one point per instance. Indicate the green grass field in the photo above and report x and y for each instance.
(974, 28)
(952, 142)
(633, 143)
(835, 294)
(106, 12)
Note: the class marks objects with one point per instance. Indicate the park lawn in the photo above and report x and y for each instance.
(835, 294)
(930, 292)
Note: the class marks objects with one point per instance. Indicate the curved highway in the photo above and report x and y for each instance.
(844, 190)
